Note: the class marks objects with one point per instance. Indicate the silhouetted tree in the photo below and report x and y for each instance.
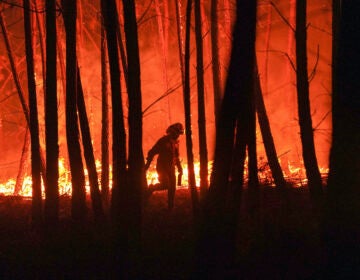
(105, 180)
(217, 244)
(304, 110)
(89, 153)
(78, 198)
(187, 110)
(268, 140)
(132, 207)
(201, 100)
(342, 220)
(51, 118)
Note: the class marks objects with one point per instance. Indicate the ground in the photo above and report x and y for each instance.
(271, 245)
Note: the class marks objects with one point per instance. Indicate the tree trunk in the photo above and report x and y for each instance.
(342, 220)
(215, 58)
(267, 135)
(78, 197)
(89, 153)
(187, 110)
(304, 111)
(133, 205)
(104, 121)
(219, 220)
(51, 119)
(119, 137)
(201, 101)
(24, 161)
(34, 122)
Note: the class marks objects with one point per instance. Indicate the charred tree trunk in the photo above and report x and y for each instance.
(51, 119)
(215, 58)
(105, 181)
(34, 122)
(219, 220)
(89, 153)
(304, 111)
(269, 144)
(342, 220)
(78, 198)
(133, 205)
(201, 101)
(187, 110)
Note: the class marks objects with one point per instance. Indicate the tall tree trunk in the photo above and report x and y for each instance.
(104, 121)
(78, 198)
(201, 101)
(119, 173)
(219, 220)
(34, 122)
(133, 206)
(269, 144)
(180, 40)
(215, 58)
(187, 110)
(342, 218)
(51, 119)
(304, 111)
(89, 153)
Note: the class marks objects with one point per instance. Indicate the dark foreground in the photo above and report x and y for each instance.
(272, 244)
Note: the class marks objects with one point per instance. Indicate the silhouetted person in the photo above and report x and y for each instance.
(167, 149)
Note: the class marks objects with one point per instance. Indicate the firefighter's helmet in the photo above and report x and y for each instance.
(176, 128)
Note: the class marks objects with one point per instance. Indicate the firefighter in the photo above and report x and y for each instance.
(167, 149)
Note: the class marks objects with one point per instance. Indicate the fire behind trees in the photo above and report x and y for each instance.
(128, 174)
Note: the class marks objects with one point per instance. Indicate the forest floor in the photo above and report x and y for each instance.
(275, 245)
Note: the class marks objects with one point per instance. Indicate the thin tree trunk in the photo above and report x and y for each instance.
(34, 122)
(201, 101)
(104, 121)
(119, 173)
(164, 50)
(305, 122)
(51, 119)
(136, 185)
(89, 153)
(215, 58)
(78, 198)
(180, 40)
(267, 135)
(24, 160)
(187, 110)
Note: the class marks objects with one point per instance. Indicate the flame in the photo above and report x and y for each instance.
(297, 176)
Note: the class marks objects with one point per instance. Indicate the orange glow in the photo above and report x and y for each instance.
(297, 177)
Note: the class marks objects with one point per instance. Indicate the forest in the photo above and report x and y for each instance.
(267, 94)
